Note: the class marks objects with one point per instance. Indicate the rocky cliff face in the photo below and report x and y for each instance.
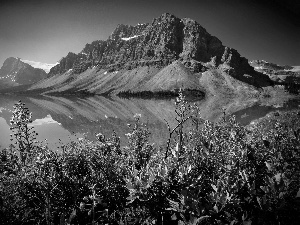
(159, 43)
(125, 31)
(14, 72)
(65, 64)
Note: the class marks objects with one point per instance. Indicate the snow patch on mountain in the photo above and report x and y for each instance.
(44, 66)
(294, 69)
(129, 38)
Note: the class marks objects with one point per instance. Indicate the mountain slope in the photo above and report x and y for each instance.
(218, 83)
(172, 77)
(164, 55)
(14, 73)
(145, 78)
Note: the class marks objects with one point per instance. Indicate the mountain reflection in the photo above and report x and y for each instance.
(57, 118)
(95, 114)
(47, 120)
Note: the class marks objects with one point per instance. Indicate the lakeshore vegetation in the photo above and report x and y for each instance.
(207, 173)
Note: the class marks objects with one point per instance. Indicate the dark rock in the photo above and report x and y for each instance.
(65, 64)
(198, 44)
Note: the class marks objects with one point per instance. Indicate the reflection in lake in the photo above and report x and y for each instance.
(60, 119)
(57, 118)
(247, 115)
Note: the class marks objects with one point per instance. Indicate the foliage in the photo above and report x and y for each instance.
(212, 173)
(23, 134)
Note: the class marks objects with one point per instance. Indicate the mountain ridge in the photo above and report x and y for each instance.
(159, 43)
(146, 57)
(280, 74)
(15, 72)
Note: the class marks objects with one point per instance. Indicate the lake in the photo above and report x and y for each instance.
(59, 120)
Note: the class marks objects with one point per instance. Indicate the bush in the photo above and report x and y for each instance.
(214, 173)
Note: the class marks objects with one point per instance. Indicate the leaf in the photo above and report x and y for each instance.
(281, 194)
(189, 168)
(174, 205)
(151, 178)
(232, 222)
(214, 187)
(228, 197)
(174, 217)
(259, 202)
(180, 222)
(216, 208)
(269, 166)
(227, 214)
(205, 150)
(175, 150)
(199, 220)
(164, 171)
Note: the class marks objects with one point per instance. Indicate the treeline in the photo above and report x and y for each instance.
(147, 94)
(189, 94)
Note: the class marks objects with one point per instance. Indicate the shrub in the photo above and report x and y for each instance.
(23, 135)
(212, 173)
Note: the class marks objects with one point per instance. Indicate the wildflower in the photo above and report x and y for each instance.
(137, 115)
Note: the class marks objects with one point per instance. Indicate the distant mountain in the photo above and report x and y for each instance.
(44, 66)
(277, 73)
(15, 72)
(263, 65)
(164, 55)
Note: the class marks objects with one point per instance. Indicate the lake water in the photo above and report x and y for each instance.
(59, 120)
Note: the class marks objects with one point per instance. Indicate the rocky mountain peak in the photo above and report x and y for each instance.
(126, 31)
(11, 64)
(11, 60)
(158, 44)
(14, 72)
(65, 64)
(165, 18)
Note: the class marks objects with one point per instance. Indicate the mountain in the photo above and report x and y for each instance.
(151, 79)
(280, 74)
(44, 66)
(159, 43)
(167, 54)
(15, 72)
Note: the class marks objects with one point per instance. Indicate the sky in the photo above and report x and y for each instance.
(45, 31)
